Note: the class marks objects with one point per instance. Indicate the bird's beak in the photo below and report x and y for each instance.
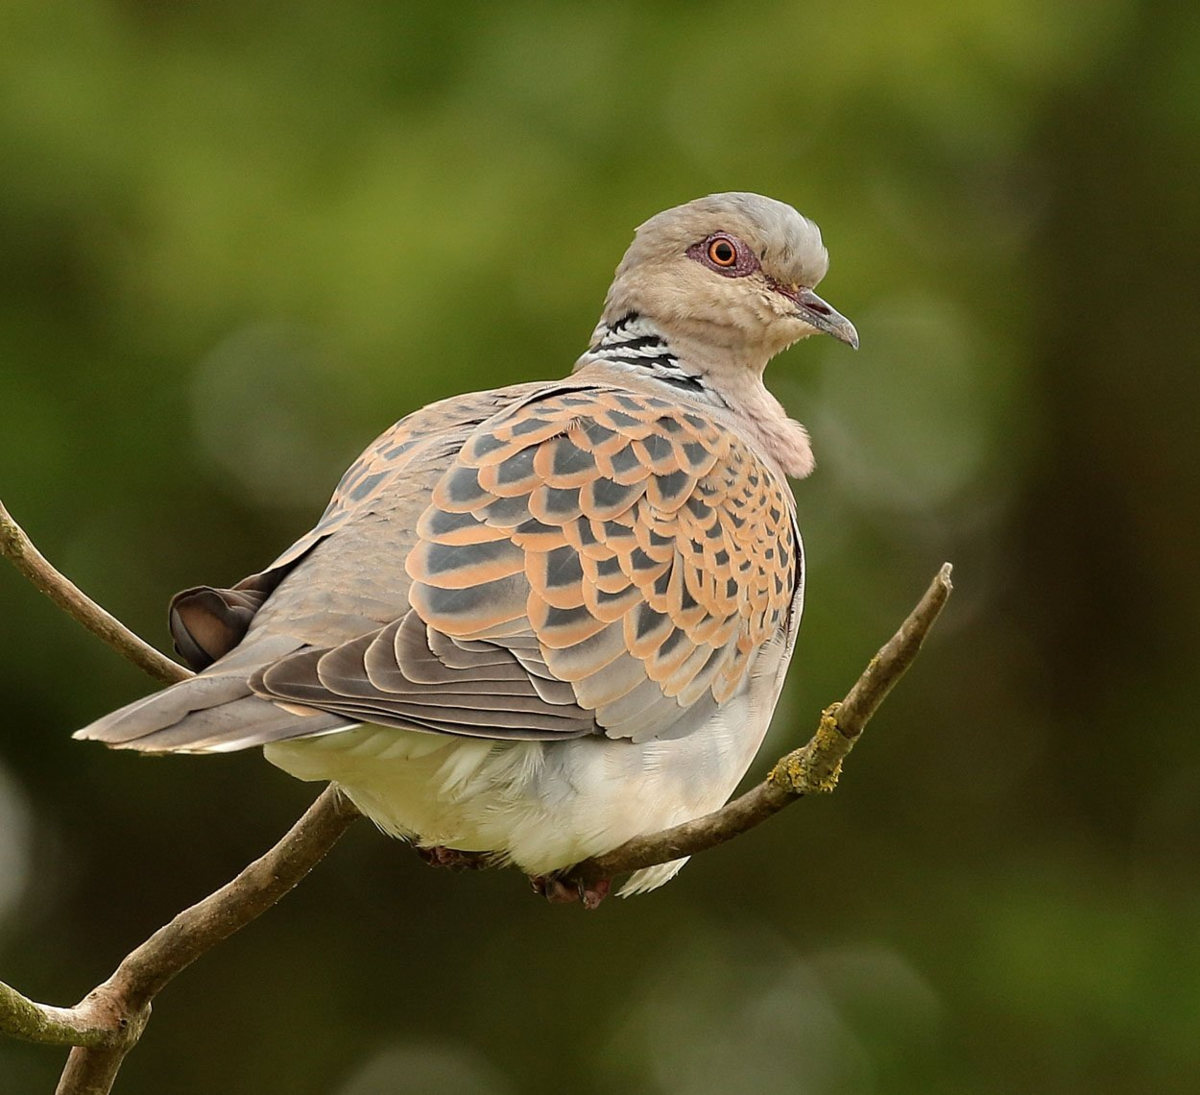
(816, 313)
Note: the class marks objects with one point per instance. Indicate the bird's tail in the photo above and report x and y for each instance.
(213, 712)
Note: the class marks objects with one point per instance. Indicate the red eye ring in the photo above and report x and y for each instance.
(725, 254)
(722, 252)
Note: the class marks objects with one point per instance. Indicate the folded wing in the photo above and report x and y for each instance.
(593, 559)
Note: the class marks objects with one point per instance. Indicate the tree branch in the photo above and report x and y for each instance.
(125, 998)
(20, 1017)
(147, 970)
(108, 1022)
(19, 550)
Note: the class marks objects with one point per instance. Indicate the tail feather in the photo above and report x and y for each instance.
(215, 711)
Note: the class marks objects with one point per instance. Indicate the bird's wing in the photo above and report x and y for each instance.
(328, 587)
(592, 559)
(207, 623)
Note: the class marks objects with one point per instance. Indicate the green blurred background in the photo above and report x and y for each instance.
(238, 240)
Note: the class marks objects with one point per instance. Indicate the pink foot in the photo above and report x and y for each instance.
(563, 891)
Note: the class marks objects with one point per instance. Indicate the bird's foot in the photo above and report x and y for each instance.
(560, 890)
(453, 858)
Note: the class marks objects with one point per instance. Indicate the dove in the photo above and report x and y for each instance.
(538, 621)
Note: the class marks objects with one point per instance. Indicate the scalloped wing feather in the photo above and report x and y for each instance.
(601, 538)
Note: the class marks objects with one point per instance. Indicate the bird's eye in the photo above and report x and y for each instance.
(726, 254)
(721, 252)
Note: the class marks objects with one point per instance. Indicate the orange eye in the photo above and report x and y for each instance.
(721, 252)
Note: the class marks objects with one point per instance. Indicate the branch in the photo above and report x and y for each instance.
(812, 769)
(109, 1021)
(107, 1024)
(19, 550)
(125, 998)
(20, 1017)
(147, 970)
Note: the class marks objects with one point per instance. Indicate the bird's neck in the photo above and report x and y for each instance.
(636, 344)
(698, 367)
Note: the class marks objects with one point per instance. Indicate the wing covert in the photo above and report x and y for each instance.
(592, 559)
(648, 550)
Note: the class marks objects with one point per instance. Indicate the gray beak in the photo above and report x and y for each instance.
(816, 313)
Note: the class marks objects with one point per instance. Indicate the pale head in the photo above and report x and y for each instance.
(733, 273)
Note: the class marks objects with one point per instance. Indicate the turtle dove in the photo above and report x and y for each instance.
(538, 621)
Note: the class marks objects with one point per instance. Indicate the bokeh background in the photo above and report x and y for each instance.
(239, 240)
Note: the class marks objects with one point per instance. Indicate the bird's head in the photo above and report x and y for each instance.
(733, 272)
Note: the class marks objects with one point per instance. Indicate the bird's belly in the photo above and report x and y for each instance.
(541, 805)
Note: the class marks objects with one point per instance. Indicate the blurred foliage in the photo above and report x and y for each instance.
(241, 239)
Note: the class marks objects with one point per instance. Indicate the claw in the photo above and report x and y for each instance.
(592, 895)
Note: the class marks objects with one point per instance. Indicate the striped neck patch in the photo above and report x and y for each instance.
(634, 341)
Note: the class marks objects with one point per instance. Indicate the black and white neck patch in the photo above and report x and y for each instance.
(636, 342)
